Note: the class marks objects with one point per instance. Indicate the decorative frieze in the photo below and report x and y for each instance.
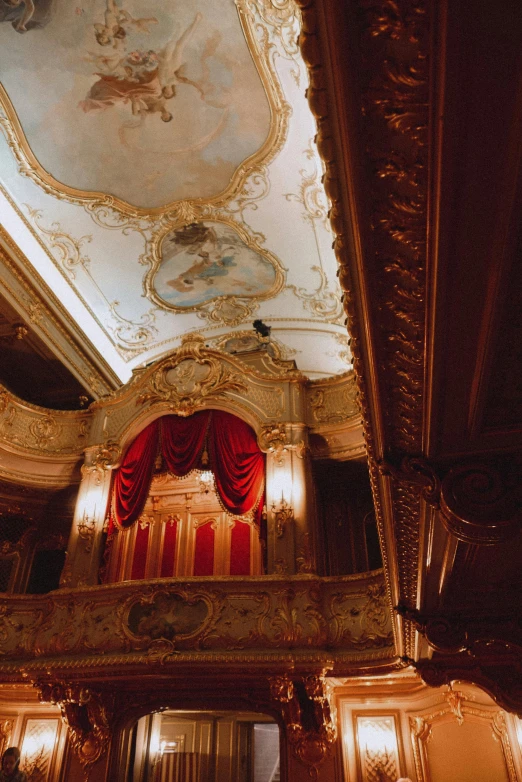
(143, 621)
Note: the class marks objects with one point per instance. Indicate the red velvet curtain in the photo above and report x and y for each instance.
(237, 462)
(235, 458)
(132, 479)
(182, 441)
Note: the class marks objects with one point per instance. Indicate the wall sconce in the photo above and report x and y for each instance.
(283, 515)
(86, 530)
(378, 750)
(206, 482)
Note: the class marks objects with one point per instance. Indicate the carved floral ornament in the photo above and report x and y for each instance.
(311, 745)
(149, 623)
(190, 378)
(87, 714)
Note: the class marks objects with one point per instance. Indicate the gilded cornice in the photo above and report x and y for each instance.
(39, 306)
(382, 271)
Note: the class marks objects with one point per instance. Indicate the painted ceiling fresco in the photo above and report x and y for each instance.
(158, 170)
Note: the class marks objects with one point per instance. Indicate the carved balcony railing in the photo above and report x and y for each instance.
(342, 621)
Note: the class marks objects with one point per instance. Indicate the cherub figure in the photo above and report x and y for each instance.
(113, 31)
(26, 15)
(28, 10)
(172, 60)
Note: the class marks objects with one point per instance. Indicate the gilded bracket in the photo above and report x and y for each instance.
(87, 714)
(306, 702)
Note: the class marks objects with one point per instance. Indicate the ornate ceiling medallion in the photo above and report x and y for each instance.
(150, 106)
(198, 263)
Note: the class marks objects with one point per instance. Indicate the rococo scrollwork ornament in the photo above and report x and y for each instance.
(194, 375)
(312, 745)
(87, 713)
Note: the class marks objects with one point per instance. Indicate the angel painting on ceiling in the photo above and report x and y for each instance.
(26, 15)
(151, 102)
(116, 22)
(202, 261)
(144, 79)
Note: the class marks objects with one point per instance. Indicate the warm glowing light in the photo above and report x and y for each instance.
(281, 489)
(376, 736)
(206, 481)
(39, 740)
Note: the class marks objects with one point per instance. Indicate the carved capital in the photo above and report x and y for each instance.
(100, 458)
(275, 439)
(87, 714)
(305, 702)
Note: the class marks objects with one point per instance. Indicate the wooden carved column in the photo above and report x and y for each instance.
(85, 541)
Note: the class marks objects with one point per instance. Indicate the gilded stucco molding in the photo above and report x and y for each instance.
(458, 707)
(257, 616)
(281, 404)
(38, 430)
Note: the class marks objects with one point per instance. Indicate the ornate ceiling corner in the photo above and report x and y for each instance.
(133, 336)
(322, 302)
(38, 305)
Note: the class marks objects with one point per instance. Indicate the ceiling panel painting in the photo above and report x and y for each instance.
(143, 239)
(150, 102)
(201, 262)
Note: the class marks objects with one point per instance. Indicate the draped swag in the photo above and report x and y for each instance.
(235, 459)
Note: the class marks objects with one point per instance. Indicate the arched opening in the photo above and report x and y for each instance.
(188, 500)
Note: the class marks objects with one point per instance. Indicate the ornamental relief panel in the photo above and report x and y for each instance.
(258, 614)
(332, 401)
(38, 429)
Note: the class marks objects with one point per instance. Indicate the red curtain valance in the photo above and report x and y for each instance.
(235, 459)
